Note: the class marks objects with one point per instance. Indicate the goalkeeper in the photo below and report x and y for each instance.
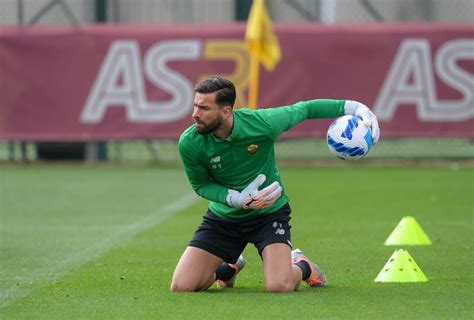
(229, 159)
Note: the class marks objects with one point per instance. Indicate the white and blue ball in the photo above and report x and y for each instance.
(349, 138)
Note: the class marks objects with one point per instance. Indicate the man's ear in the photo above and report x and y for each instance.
(226, 112)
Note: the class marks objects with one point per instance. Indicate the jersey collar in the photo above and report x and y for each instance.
(233, 134)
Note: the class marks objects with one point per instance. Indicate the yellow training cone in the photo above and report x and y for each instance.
(401, 267)
(407, 233)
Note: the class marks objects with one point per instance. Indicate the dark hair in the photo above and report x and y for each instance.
(225, 90)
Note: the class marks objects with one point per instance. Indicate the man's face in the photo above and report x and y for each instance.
(207, 115)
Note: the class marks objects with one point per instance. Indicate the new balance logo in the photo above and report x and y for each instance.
(280, 231)
(215, 159)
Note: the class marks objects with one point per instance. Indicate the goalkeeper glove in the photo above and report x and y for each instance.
(368, 117)
(252, 198)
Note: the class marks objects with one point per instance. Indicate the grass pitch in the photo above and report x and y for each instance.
(102, 243)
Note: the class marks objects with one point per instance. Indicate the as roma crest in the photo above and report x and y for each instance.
(252, 148)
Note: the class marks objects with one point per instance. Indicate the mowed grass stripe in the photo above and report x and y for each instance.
(33, 254)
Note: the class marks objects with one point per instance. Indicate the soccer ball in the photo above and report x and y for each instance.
(349, 138)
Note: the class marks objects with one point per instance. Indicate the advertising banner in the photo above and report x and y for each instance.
(136, 82)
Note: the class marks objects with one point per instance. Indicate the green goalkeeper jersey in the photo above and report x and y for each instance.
(214, 165)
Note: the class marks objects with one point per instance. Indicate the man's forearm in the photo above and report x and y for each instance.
(213, 192)
(325, 108)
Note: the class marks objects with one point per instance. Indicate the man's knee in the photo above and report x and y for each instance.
(282, 285)
(195, 270)
(181, 283)
(182, 286)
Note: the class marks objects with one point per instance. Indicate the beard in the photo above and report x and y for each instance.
(209, 128)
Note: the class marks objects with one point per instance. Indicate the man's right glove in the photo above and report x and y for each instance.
(252, 198)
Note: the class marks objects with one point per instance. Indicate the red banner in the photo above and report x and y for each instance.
(126, 82)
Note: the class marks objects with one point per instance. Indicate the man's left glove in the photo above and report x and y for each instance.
(368, 117)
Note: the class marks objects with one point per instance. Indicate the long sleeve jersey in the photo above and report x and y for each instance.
(214, 165)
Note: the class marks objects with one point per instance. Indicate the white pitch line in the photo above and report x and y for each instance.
(27, 284)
